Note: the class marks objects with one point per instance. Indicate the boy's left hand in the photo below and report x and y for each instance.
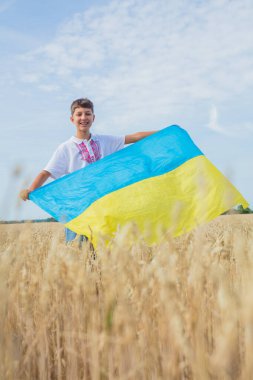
(24, 194)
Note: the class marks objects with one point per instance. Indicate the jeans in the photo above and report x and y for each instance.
(70, 236)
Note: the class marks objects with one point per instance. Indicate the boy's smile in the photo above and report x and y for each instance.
(83, 119)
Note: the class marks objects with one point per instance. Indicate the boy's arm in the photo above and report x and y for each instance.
(134, 137)
(39, 180)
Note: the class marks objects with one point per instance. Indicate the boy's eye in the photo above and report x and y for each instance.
(86, 114)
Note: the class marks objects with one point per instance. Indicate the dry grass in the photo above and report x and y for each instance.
(181, 310)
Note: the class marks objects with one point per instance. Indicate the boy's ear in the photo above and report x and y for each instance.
(71, 119)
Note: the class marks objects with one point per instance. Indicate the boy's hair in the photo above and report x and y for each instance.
(83, 102)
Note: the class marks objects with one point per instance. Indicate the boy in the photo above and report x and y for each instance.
(81, 150)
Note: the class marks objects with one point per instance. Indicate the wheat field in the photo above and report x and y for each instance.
(180, 310)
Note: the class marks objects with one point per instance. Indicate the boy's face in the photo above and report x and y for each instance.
(82, 118)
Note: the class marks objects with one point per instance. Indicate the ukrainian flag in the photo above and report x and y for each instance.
(161, 183)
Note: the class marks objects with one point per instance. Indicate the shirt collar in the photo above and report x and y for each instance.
(79, 141)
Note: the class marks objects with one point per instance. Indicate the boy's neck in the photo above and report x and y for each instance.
(83, 136)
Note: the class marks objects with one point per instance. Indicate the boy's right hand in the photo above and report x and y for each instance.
(24, 194)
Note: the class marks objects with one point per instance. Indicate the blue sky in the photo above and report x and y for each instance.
(145, 65)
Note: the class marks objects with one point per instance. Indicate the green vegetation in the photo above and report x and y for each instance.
(27, 221)
(242, 210)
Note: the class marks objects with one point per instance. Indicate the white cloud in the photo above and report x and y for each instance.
(249, 126)
(231, 130)
(30, 78)
(49, 87)
(213, 123)
(150, 56)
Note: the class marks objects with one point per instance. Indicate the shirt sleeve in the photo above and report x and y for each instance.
(114, 143)
(57, 165)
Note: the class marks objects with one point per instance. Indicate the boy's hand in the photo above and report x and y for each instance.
(24, 194)
(39, 180)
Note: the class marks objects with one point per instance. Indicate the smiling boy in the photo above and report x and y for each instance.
(82, 149)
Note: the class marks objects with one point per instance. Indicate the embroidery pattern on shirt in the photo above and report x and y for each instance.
(95, 146)
(93, 155)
